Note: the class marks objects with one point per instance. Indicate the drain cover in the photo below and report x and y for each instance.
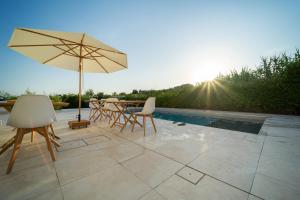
(190, 175)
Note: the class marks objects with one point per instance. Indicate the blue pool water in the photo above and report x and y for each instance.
(181, 119)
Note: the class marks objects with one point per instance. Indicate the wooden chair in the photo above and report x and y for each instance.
(32, 113)
(95, 109)
(110, 109)
(147, 111)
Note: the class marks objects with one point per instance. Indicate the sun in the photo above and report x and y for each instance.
(204, 74)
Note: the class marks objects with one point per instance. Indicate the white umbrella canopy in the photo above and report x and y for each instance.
(72, 51)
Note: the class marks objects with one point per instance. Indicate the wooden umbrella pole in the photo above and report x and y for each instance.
(80, 78)
(80, 84)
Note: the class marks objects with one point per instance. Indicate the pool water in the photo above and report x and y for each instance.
(181, 119)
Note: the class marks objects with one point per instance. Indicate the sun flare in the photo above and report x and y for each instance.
(205, 74)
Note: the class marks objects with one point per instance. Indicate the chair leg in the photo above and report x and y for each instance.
(45, 130)
(144, 125)
(8, 144)
(110, 117)
(32, 135)
(90, 114)
(134, 121)
(17, 146)
(126, 121)
(151, 117)
(52, 130)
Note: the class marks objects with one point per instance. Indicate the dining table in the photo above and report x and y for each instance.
(122, 107)
(7, 105)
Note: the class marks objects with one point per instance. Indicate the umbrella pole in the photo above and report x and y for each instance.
(79, 94)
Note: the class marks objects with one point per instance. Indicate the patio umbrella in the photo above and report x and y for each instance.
(68, 50)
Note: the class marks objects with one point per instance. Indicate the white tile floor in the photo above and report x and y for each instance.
(179, 162)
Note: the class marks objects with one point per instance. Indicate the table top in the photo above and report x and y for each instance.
(127, 102)
(7, 103)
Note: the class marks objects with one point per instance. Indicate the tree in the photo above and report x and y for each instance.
(28, 92)
(89, 93)
(100, 95)
(134, 92)
(4, 94)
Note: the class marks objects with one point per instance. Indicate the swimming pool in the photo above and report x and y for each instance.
(237, 125)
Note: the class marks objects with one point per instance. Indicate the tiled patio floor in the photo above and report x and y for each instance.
(179, 162)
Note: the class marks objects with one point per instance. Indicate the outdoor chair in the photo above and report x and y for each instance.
(32, 113)
(147, 111)
(95, 109)
(110, 109)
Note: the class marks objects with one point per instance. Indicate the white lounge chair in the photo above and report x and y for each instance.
(147, 111)
(32, 113)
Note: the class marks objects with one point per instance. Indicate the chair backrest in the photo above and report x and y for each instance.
(149, 106)
(110, 106)
(93, 103)
(32, 111)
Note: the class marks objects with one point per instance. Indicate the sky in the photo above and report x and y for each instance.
(168, 43)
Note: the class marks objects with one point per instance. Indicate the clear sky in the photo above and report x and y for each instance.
(168, 43)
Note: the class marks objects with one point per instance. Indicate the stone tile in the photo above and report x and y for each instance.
(124, 151)
(228, 165)
(277, 131)
(114, 141)
(54, 194)
(61, 155)
(190, 174)
(282, 148)
(76, 167)
(208, 189)
(183, 151)
(21, 164)
(71, 145)
(273, 189)
(287, 171)
(29, 183)
(113, 183)
(152, 195)
(151, 141)
(152, 168)
(27, 150)
(96, 139)
(251, 197)
(241, 145)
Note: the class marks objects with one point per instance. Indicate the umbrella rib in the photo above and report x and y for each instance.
(69, 48)
(109, 59)
(66, 40)
(98, 48)
(90, 53)
(69, 53)
(59, 55)
(37, 45)
(35, 32)
(96, 61)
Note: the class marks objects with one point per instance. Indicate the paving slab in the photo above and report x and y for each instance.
(208, 188)
(152, 168)
(113, 183)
